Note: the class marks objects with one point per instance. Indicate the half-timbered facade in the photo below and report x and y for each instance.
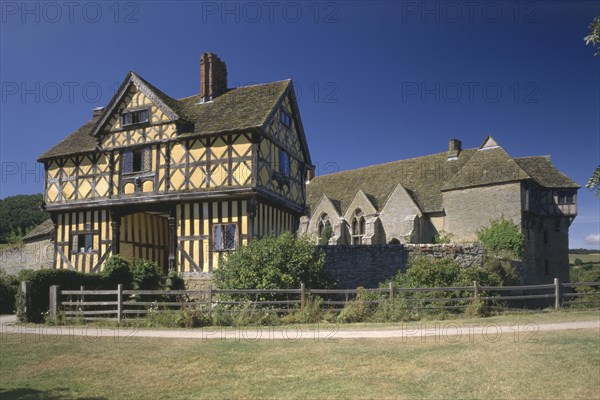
(178, 181)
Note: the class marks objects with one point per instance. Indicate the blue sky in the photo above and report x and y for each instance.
(377, 81)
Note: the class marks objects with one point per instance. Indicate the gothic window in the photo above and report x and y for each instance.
(134, 117)
(224, 237)
(325, 229)
(357, 227)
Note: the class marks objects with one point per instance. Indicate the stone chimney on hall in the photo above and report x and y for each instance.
(454, 147)
(213, 76)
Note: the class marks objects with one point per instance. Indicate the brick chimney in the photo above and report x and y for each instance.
(213, 76)
(454, 148)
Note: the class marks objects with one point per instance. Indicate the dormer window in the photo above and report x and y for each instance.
(286, 119)
(135, 117)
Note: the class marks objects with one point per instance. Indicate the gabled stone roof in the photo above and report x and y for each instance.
(238, 109)
(46, 228)
(425, 178)
(544, 173)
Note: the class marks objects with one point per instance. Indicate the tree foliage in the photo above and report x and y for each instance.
(593, 36)
(19, 214)
(502, 237)
(594, 182)
(272, 263)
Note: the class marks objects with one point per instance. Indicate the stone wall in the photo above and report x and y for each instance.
(197, 281)
(33, 255)
(368, 265)
(467, 210)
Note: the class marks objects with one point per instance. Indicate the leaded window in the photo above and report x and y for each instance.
(135, 117)
(286, 119)
(357, 227)
(284, 163)
(137, 160)
(225, 237)
(82, 243)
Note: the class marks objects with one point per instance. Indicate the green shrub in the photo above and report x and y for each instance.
(118, 271)
(222, 316)
(313, 312)
(250, 314)
(578, 262)
(392, 311)
(442, 238)
(272, 263)
(326, 234)
(360, 309)
(477, 308)
(192, 317)
(502, 237)
(146, 275)
(8, 292)
(175, 281)
(40, 288)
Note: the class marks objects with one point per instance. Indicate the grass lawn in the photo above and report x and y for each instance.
(548, 365)
(586, 258)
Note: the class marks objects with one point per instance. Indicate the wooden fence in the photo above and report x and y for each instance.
(116, 304)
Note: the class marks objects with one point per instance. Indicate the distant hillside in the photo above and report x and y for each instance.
(19, 214)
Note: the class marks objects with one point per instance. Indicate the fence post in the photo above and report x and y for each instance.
(81, 297)
(391, 287)
(119, 302)
(54, 300)
(26, 293)
(556, 293)
(475, 290)
(209, 300)
(302, 296)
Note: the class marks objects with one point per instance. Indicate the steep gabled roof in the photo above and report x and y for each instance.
(238, 109)
(490, 164)
(544, 173)
(423, 177)
(426, 178)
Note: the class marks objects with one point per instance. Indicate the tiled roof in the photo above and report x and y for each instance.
(236, 110)
(425, 178)
(46, 228)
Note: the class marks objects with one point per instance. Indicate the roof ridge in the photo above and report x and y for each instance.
(391, 162)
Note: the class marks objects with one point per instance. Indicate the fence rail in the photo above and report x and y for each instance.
(127, 301)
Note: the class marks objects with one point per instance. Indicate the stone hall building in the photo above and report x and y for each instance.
(452, 193)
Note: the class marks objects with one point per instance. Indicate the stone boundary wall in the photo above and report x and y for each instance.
(33, 255)
(368, 265)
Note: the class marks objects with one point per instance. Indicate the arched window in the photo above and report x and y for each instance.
(357, 227)
(394, 241)
(325, 229)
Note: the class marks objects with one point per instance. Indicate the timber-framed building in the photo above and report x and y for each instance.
(178, 181)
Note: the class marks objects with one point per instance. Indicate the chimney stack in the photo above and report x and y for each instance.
(454, 147)
(98, 111)
(213, 76)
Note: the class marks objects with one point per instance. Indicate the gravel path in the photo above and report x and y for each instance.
(439, 331)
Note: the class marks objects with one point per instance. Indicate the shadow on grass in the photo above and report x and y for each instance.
(33, 394)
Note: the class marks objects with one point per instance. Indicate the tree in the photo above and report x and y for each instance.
(593, 37)
(18, 215)
(594, 182)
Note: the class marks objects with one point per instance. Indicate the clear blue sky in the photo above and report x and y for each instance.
(377, 80)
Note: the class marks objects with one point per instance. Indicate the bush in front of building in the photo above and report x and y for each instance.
(282, 262)
(502, 238)
(8, 292)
